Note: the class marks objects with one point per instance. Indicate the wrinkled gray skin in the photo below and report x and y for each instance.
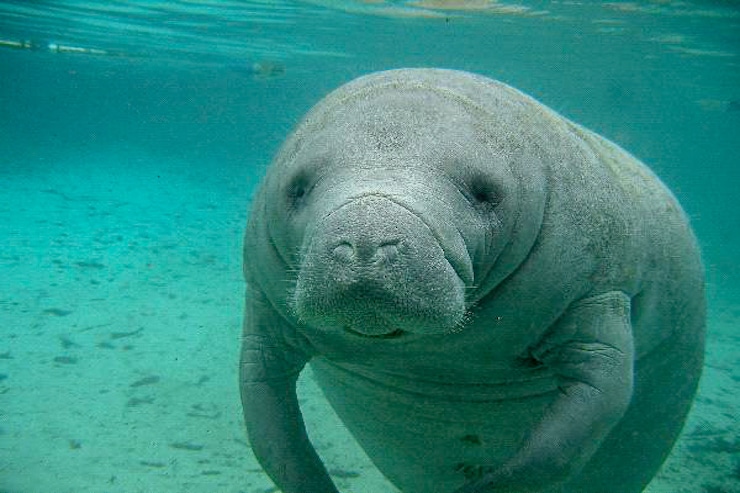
(492, 297)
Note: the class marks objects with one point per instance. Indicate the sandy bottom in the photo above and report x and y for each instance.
(120, 315)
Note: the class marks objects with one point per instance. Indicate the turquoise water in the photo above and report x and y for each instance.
(132, 135)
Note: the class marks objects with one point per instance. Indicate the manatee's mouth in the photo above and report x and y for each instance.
(389, 335)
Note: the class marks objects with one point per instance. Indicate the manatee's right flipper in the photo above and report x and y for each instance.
(269, 370)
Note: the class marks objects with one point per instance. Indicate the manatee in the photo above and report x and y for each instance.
(491, 297)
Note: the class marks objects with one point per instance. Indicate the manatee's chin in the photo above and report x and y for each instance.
(371, 326)
(381, 312)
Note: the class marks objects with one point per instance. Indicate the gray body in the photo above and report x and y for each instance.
(492, 297)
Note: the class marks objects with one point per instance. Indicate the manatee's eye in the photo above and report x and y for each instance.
(483, 192)
(298, 189)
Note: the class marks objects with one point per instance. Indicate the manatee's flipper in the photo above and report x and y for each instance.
(269, 370)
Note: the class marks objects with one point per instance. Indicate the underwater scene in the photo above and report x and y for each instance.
(133, 138)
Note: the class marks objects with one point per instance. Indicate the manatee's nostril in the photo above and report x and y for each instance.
(389, 243)
(366, 252)
(387, 251)
(344, 251)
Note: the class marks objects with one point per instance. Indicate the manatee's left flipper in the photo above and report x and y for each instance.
(591, 351)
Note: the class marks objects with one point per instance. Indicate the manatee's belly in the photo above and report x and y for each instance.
(426, 435)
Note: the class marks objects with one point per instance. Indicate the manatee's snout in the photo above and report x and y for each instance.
(375, 268)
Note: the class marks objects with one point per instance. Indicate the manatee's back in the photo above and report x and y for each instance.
(661, 253)
(668, 318)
